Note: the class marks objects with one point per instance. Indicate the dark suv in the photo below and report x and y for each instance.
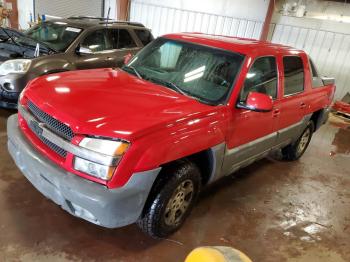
(63, 45)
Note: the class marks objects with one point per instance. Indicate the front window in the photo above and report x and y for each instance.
(261, 78)
(108, 39)
(56, 35)
(97, 41)
(204, 73)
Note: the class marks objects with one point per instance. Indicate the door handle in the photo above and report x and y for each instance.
(276, 113)
(302, 105)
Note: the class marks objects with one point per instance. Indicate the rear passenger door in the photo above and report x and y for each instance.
(293, 103)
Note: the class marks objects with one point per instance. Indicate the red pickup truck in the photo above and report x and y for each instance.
(137, 144)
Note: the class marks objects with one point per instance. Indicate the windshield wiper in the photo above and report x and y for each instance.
(10, 37)
(41, 43)
(27, 45)
(168, 84)
(134, 70)
(179, 90)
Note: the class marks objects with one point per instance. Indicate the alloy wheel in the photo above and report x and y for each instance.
(179, 203)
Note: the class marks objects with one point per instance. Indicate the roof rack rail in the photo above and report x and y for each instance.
(104, 20)
(88, 17)
(122, 22)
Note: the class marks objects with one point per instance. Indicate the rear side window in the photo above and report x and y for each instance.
(120, 38)
(313, 69)
(261, 78)
(293, 75)
(145, 36)
(316, 79)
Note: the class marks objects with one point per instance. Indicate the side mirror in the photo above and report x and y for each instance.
(257, 102)
(127, 58)
(83, 50)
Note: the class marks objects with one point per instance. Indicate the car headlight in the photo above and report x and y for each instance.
(103, 146)
(15, 66)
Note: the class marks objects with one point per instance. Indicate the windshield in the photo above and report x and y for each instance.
(56, 35)
(198, 71)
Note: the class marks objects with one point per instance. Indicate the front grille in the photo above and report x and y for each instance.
(52, 146)
(53, 124)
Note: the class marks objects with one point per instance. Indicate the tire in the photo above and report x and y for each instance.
(294, 151)
(171, 199)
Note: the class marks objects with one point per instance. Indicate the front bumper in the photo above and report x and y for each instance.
(82, 198)
(9, 96)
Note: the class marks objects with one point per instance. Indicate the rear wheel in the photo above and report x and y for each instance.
(296, 150)
(171, 199)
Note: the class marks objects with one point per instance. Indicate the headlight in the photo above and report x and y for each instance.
(93, 169)
(103, 146)
(15, 66)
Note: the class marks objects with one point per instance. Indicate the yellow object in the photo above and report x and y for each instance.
(216, 254)
(205, 254)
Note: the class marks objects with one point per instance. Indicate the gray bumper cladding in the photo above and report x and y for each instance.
(80, 197)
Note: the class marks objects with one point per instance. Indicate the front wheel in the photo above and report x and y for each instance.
(296, 150)
(171, 199)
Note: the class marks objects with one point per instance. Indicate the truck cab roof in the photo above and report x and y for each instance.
(242, 45)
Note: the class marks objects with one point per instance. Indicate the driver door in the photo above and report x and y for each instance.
(251, 134)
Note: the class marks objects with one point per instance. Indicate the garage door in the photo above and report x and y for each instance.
(165, 19)
(66, 8)
(329, 50)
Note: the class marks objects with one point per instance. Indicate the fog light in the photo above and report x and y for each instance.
(83, 213)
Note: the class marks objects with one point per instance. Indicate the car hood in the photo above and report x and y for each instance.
(111, 103)
(12, 50)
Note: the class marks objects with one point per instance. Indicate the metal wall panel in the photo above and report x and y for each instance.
(329, 50)
(66, 8)
(163, 20)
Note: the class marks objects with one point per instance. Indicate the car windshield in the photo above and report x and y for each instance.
(198, 71)
(55, 35)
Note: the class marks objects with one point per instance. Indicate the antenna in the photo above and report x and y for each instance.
(109, 11)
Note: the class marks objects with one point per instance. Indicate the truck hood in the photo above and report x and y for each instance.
(111, 103)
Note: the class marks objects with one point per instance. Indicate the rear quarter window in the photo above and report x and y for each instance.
(145, 36)
(121, 38)
(293, 75)
(316, 79)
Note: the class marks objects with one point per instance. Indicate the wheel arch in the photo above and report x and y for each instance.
(319, 118)
(208, 161)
